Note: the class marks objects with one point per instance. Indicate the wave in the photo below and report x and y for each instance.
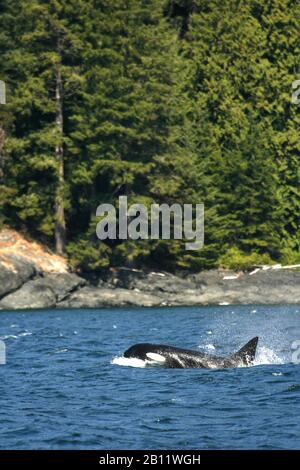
(18, 335)
(5, 337)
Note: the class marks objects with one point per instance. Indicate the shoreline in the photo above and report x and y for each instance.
(31, 277)
(22, 287)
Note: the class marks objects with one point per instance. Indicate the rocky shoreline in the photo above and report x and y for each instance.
(22, 286)
(31, 277)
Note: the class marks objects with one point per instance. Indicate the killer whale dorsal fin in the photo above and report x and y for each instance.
(247, 353)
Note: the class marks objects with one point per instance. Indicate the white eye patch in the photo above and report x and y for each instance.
(156, 357)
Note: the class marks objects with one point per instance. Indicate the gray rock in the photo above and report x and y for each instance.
(208, 278)
(33, 294)
(136, 288)
(43, 292)
(63, 284)
(97, 297)
(14, 272)
(124, 287)
(154, 282)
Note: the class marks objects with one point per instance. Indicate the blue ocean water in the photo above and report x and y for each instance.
(62, 387)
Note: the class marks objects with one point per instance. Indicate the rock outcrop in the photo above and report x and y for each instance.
(42, 292)
(14, 272)
(33, 278)
(138, 288)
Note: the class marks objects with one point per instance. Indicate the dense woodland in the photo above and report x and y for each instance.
(183, 101)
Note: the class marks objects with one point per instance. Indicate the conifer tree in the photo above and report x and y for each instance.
(44, 72)
(129, 75)
(164, 101)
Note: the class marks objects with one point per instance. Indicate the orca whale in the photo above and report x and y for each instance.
(178, 358)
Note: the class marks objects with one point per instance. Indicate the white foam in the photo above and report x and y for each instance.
(209, 346)
(59, 351)
(266, 355)
(128, 361)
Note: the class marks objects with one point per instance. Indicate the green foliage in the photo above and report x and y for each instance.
(238, 260)
(290, 254)
(171, 101)
(88, 255)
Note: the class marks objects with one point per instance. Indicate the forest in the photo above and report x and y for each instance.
(164, 101)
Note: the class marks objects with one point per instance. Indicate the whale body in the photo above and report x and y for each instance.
(178, 358)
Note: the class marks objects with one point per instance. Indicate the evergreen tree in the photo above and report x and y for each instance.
(167, 101)
(231, 79)
(129, 72)
(280, 22)
(7, 42)
(44, 74)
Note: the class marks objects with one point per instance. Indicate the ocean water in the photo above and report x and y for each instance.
(65, 384)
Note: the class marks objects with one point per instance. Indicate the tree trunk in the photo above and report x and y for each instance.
(60, 224)
(2, 140)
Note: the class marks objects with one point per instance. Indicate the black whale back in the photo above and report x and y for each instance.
(174, 357)
(140, 350)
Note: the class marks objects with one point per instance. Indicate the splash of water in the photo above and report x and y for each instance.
(266, 355)
(128, 361)
(210, 347)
